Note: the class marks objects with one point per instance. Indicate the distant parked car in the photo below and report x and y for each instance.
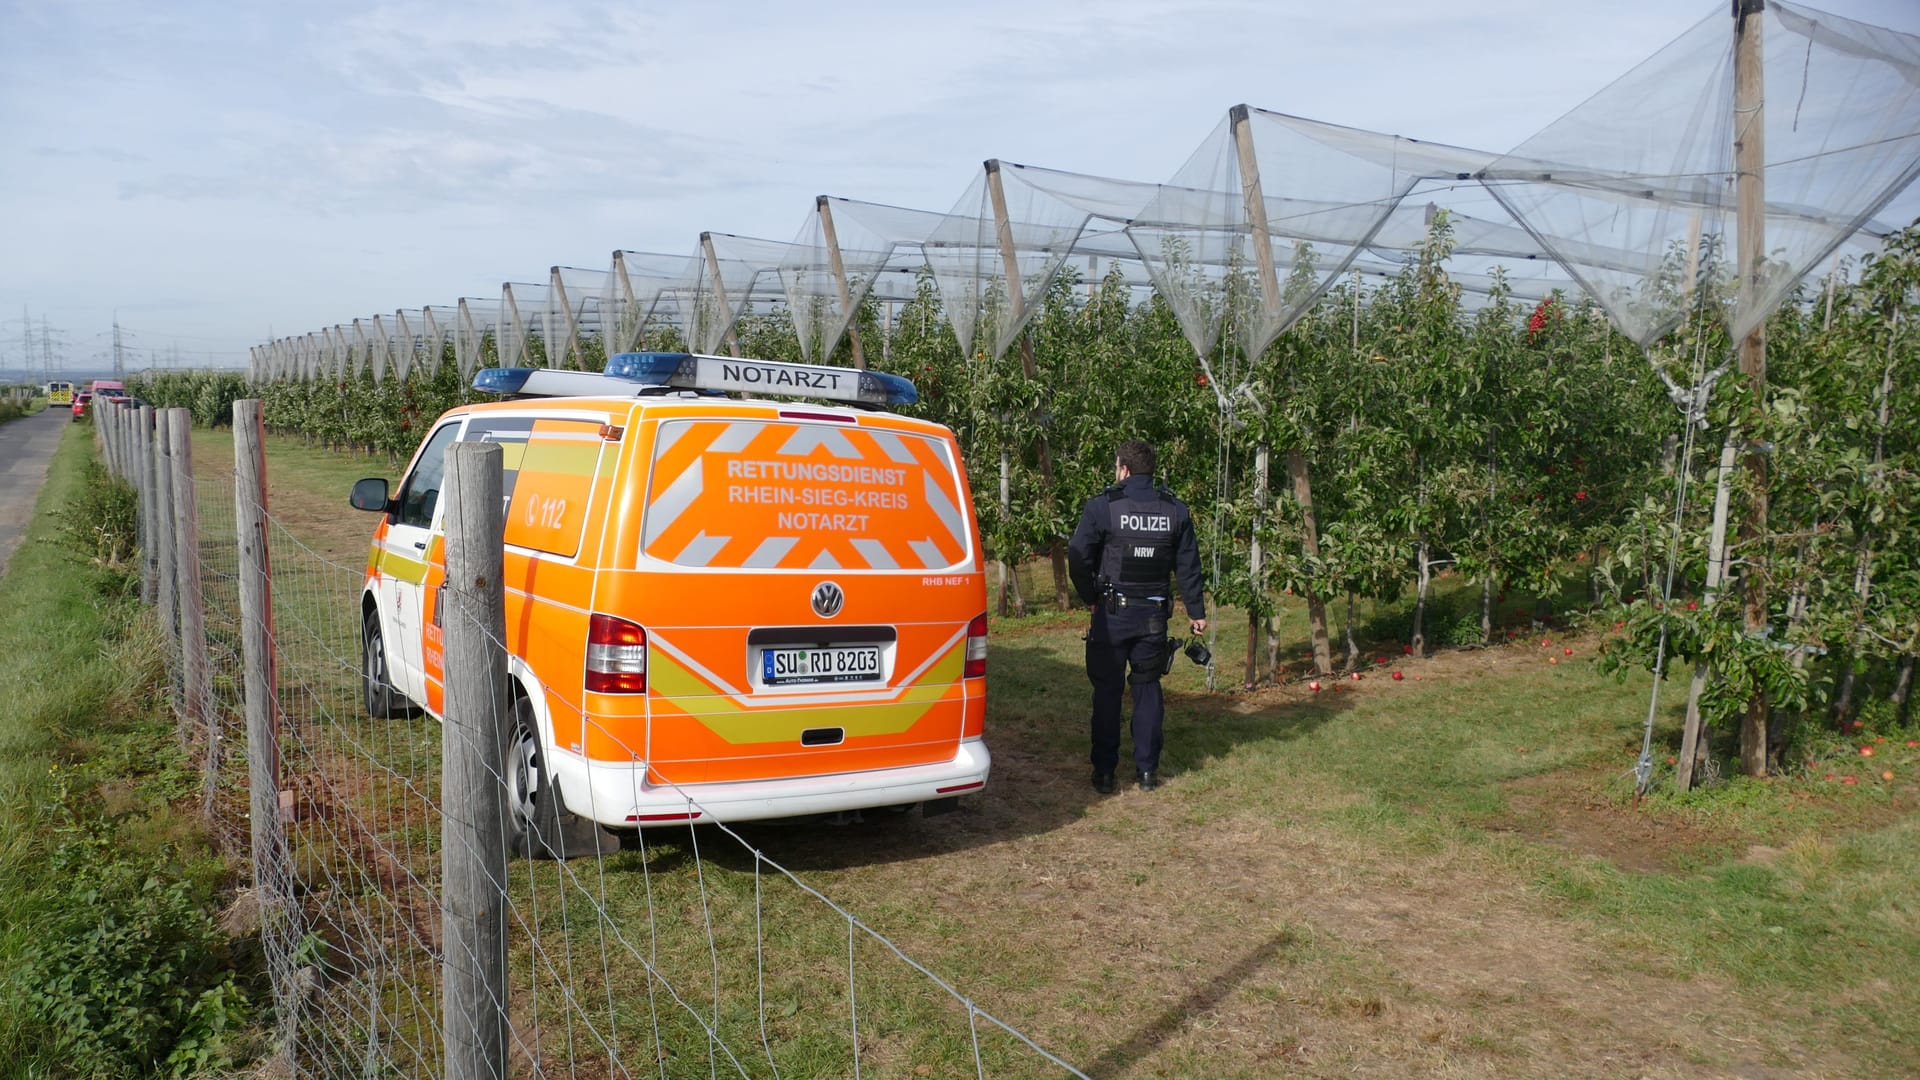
(81, 399)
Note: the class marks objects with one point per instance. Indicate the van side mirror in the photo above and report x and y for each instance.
(369, 494)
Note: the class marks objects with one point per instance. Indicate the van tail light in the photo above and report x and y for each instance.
(976, 647)
(616, 656)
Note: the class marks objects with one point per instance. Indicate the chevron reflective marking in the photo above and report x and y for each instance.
(770, 552)
(807, 438)
(895, 447)
(876, 554)
(701, 550)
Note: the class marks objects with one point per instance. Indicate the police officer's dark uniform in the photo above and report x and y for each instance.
(1131, 539)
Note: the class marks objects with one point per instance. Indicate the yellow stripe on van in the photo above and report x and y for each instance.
(737, 724)
(400, 568)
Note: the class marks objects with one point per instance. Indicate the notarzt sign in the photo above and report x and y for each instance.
(1147, 522)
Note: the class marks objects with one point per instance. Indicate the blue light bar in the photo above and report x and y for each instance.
(693, 371)
(505, 381)
(547, 382)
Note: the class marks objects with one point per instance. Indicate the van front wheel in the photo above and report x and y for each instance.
(538, 823)
(382, 700)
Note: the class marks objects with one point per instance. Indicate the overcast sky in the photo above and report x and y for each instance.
(216, 174)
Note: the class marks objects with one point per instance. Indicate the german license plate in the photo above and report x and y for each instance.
(833, 664)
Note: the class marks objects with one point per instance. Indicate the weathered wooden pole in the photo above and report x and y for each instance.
(1262, 240)
(1316, 604)
(1750, 162)
(473, 806)
(196, 670)
(629, 320)
(557, 293)
(1017, 311)
(719, 293)
(166, 563)
(510, 315)
(143, 466)
(272, 875)
(1692, 746)
(832, 239)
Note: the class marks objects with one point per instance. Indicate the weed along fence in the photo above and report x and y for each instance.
(401, 933)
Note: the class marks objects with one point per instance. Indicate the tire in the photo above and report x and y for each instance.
(377, 691)
(539, 825)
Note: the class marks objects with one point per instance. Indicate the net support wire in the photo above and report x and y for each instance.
(1692, 404)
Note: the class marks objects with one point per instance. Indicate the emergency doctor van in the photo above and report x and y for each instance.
(718, 608)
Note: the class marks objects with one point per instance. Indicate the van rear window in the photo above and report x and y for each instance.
(779, 494)
(548, 466)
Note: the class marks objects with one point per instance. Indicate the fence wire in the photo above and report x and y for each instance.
(673, 952)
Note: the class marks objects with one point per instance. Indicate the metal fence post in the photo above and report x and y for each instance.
(271, 876)
(196, 669)
(473, 754)
(167, 570)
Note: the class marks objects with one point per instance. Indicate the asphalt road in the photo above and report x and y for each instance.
(26, 445)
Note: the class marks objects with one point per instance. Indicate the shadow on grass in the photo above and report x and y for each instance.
(1037, 729)
(1202, 1001)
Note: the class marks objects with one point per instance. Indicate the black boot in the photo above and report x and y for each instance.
(1103, 782)
(1149, 781)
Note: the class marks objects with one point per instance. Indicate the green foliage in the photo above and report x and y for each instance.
(208, 395)
(100, 520)
(126, 967)
(1522, 444)
(111, 963)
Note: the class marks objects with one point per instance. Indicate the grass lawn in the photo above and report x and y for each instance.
(1444, 874)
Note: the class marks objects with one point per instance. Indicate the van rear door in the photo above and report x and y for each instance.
(807, 582)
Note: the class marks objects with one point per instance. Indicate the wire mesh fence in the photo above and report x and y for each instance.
(682, 950)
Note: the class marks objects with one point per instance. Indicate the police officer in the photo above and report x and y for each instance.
(1132, 538)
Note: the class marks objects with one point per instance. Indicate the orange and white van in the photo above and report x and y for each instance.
(718, 608)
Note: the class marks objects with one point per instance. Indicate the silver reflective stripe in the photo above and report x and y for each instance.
(669, 434)
(808, 437)
(895, 447)
(736, 437)
(876, 554)
(674, 501)
(929, 553)
(701, 549)
(943, 506)
(824, 561)
(770, 552)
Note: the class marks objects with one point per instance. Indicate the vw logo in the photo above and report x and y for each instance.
(828, 599)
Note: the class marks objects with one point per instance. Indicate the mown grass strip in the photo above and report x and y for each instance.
(111, 960)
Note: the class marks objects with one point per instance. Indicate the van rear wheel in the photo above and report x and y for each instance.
(539, 825)
(382, 700)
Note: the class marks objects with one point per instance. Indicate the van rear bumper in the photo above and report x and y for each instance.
(615, 795)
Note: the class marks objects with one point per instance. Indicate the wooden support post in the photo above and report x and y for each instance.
(1750, 161)
(1316, 604)
(196, 669)
(1261, 239)
(822, 206)
(143, 465)
(719, 294)
(510, 315)
(166, 563)
(1254, 554)
(1692, 747)
(473, 846)
(629, 321)
(272, 874)
(1017, 311)
(1256, 205)
(559, 290)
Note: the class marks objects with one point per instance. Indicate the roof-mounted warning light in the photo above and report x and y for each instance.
(694, 371)
(641, 372)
